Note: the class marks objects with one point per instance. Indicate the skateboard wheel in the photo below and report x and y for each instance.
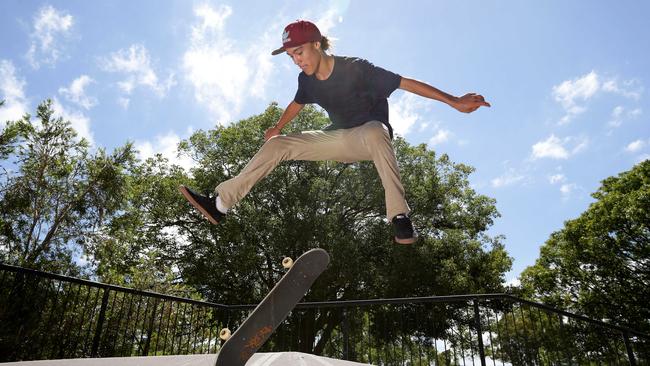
(287, 262)
(225, 334)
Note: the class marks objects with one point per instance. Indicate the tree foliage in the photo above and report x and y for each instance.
(54, 192)
(339, 207)
(136, 229)
(599, 263)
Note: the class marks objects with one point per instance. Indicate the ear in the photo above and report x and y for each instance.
(317, 45)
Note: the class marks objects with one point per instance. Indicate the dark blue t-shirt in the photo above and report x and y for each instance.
(356, 92)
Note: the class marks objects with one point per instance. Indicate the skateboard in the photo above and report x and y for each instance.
(273, 309)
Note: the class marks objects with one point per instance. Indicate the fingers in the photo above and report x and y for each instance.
(474, 106)
(472, 109)
(479, 100)
(271, 132)
(473, 98)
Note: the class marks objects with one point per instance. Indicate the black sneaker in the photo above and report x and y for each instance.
(404, 232)
(205, 204)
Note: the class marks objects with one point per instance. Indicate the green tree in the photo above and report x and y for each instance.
(55, 192)
(138, 231)
(339, 207)
(599, 264)
(140, 245)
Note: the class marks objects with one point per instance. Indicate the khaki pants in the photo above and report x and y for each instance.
(369, 141)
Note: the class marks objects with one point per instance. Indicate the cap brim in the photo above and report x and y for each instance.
(278, 51)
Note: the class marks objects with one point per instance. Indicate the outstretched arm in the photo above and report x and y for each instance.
(467, 103)
(290, 112)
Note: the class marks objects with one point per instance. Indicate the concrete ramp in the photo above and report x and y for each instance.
(258, 359)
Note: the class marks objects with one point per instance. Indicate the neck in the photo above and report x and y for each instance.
(325, 67)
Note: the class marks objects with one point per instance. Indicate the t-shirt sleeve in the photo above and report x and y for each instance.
(381, 81)
(302, 95)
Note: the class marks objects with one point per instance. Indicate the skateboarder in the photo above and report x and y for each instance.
(354, 93)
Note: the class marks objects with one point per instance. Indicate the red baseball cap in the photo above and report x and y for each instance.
(297, 33)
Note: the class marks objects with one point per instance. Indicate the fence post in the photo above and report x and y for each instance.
(100, 324)
(628, 348)
(150, 330)
(479, 331)
(346, 336)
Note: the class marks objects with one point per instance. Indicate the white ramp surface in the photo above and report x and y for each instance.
(258, 359)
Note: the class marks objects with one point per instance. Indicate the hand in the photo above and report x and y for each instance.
(273, 131)
(470, 102)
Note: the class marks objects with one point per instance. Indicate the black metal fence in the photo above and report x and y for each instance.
(47, 316)
(492, 329)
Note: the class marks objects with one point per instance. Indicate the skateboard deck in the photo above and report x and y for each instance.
(273, 309)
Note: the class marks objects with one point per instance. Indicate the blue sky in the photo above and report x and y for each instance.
(567, 81)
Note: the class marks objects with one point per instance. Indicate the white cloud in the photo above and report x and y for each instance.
(326, 16)
(556, 148)
(567, 190)
(636, 146)
(616, 116)
(407, 111)
(75, 93)
(550, 148)
(572, 94)
(557, 178)
(619, 112)
(580, 145)
(635, 113)
(222, 76)
(77, 119)
(12, 92)
(630, 89)
(263, 69)
(509, 178)
(167, 146)
(50, 27)
(123, 102)
(331, 16)
(581, 88)
(224, 73)
(135, 63)
(441, 136)
(569, 92)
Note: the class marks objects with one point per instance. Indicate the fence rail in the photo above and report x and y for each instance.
(49, 316)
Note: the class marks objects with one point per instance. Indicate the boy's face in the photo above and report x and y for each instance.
(306, 56)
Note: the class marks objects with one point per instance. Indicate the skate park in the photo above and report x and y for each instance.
(474, 178)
